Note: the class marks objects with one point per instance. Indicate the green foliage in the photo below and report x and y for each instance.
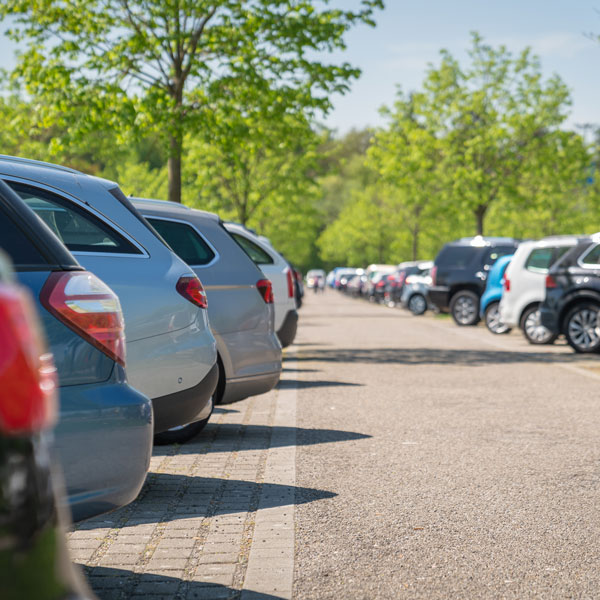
(167, 66)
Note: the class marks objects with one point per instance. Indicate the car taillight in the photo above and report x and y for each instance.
(191, 288)
(290, 283)
(550, 282)
(266, 290)
(433, 275)
(506, 284)
(89, 307)
(27, 373)
(380, 283)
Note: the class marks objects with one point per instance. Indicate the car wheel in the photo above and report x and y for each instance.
(493, 321)
(580, 327)
(533, 330)
(417, 304)
(464, 308)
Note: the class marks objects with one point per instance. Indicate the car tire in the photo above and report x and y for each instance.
(492, 319)
(417, 304)
(533, 330)
(579, 327)
(464, 308)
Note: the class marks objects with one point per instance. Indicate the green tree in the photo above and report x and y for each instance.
(167, 65)
(489, 115)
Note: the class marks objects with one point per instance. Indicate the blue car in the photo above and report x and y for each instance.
(490, 301)
(105, 432)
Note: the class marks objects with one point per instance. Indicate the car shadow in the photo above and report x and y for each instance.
(288, 384)
(258, 437)
(437, 356)
(121, 584)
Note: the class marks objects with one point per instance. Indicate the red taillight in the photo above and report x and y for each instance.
(266, 290)
(550, 282)
(190, 287)
(290, 283)
(433, 275)
(27, 373)
(89, 307)
(380, 283)
(506, 284)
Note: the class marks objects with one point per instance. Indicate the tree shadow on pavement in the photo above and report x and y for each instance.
(437, 356)
(121, 584)
(287, 384)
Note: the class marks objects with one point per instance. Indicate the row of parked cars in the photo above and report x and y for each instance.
(152, 313)
(547, 288)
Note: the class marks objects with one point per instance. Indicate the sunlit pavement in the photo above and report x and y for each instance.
(400, 457)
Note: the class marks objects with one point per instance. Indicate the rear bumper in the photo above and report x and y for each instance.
(104, 442)
(439, 296)
(186, 406)
(549, 319)
(287, 331)
(242, 387)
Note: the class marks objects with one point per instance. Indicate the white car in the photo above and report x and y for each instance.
(280, 274)
(525, 285)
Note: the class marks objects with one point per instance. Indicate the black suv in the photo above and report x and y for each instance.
(460, 272)
(573, 296)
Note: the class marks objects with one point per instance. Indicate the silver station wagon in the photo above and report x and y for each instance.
(240, 297)
(171, 352)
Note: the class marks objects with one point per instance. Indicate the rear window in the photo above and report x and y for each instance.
(75, 227)
(455, 256)
(184, 240)
(592, 258)
(17, 245)
(541, 259)
(254, 251)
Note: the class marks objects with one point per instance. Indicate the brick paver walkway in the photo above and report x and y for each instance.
(215, 518)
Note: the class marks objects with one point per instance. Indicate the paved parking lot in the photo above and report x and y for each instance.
(400, 457)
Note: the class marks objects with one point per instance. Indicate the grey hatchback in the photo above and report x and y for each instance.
(240, 307)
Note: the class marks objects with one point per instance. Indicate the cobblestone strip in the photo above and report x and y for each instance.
(270, 568)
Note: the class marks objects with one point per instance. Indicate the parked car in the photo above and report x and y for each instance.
(240, 306)
(395, 281)
(171, 351)
(277, 270)
(414, 293)
(460, 272)
(104, 437)
(525, 285)
(489, 308)
(356, 284)
(34, 561)
(315, 279)
(572, 297)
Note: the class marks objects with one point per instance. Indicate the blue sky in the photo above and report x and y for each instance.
(410, 34)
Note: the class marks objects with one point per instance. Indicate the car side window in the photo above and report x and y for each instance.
(184, 240)
(78, 229)
(254, 251)
(592, 257)
(539, 260)
(17, 245)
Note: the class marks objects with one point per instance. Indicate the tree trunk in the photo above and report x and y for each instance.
(415, 243)
(480, 212)
(175, 150)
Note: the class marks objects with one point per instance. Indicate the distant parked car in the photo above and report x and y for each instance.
(573, 296)
(315, 279)
(490, 301)
(240, 305)
(104, 437)
(396, 280)
(414, 293)
(34, 561)
(278, 271)
(460, 272)
(525, 285)
(171, 352)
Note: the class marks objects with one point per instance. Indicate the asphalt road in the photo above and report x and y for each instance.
(441, 462)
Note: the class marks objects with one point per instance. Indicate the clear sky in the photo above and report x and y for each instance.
(410, 34)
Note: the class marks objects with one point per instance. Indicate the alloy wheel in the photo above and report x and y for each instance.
(582, 329)
(534, 330)
(465, 310)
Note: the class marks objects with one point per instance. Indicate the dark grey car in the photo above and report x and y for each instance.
(240, 312)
